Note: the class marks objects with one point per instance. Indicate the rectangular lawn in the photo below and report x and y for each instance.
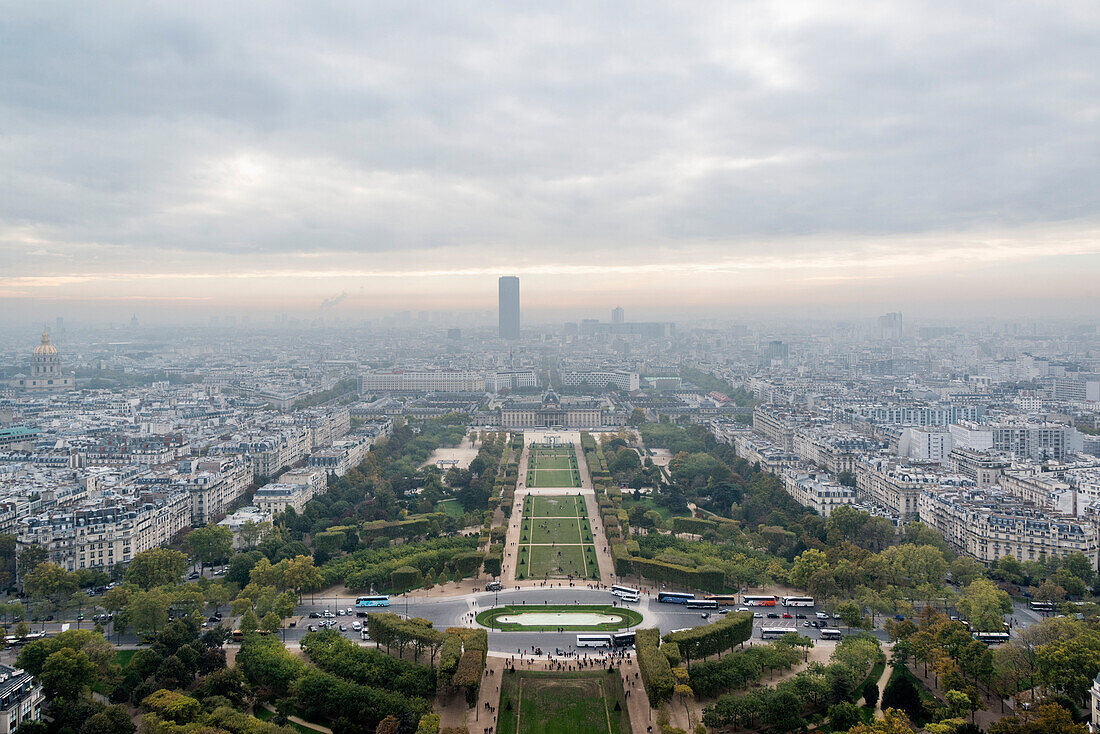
(553, 478)
(541, 531)
(562, 506)
(562, 703)
(558, 561)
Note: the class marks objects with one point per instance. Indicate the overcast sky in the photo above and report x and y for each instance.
(791, 154)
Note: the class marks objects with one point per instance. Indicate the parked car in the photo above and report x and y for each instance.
(356, 626)
(343, 628)
(723, 611)
(805, 624)
(773, 615)
(821, 615)
(705, 615)
(314, 615)
(787, 615)
(800, 616)
(757, 615)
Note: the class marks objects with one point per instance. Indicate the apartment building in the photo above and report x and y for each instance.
(426, 380)
(1045, 490)
(275, 498)
(618, 379)
(109, 530)
(20, 698)
(1036, 441)
(893, 484)
(988, 525)
(345, 454)
(815, 490)
(215, 484)
(775, 425)
(325, 426)
(985, 469)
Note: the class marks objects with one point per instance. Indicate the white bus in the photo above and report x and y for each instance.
(624, 591)
(674, 597)
(593, 640)
(798, 601)
(702, 604)
(991, 638)
(623, 639)
(758, 601)
(830, 633)
(767, 633)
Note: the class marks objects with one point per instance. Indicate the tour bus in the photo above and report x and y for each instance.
(766, 633)
(702, 604)
(237, 635)
(674, 597)
(991, 638)
(725, 600)
(830, 633)
(623, 639)
(624, 591)
(593, 640)
(494, 586)
(372, 601)
(758, 601)
(1046, 607)
(798, 601)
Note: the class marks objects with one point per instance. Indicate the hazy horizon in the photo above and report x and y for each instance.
(796, 159)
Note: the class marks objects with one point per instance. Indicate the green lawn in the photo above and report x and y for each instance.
(627, 617)
(553, 478)
(562, 506)
(543, 561)
(562, 703)
(558, 530)
(541, 462)
(451, 507)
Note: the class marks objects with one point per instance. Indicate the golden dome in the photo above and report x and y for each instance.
(45, 349)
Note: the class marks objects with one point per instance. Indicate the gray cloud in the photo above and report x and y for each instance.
(135, 134)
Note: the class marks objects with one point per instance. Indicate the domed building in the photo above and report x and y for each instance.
(46, 371)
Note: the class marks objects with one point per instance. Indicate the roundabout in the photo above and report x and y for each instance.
(568, 618)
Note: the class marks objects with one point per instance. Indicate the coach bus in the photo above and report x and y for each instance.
(758, 601)
(830, 633)
(624, 591)
(674, 597)
(702, 604)
(798, 601)
(593, 640)
(767, 633)
(623, 639)
(372, 601)
(1046, 607)
(991, 638)
(725, 600)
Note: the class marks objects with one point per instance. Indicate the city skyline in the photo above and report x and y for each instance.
(798, 158)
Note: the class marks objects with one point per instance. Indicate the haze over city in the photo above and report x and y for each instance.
(842, 158)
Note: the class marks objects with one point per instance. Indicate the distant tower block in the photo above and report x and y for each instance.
(508, 307)
(618, 316)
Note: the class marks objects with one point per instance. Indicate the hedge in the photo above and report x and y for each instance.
(671, 651)
(494, 559)
(725, 634)
(693, 525)
(656, 672)
(707, 578)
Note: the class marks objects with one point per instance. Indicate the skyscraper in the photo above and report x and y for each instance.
(618, 316)
(508, 307)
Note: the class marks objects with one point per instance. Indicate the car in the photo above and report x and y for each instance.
(743, 609)
(773, 615)
(350, 611)
(328, 615)
(193, 575)
(213, 620)
(312, 628)
(343, 628)
(705, 615)
(805, 624)
(800, 616)
(787, 615)
(723, 611)
(220, 572)
(205, 625)
(218, 615)
(836, 616)
(757, 615)
(340, 612)
(314, 615)
(356, 626)
(821, 615)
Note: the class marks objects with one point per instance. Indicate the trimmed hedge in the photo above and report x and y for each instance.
(654, 666)
(694, 525)
(725, 634)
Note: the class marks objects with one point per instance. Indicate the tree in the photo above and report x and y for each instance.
(251, 532)
(271, 622)
(29, 557)
(388, 725)
(22, 630)
(843, 715)
(249, 621)
(211, 544)
(147, 611)
(110, 720)
(984, 606)
(902, 694)
(217, 595)
(870, 694)
(66, 674)
(156, 567)
(1048, 718)
(49, 581)
(892, 722)
(811, 561)
(849, 614)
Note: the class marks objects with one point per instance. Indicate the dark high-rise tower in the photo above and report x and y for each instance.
(508, 307)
